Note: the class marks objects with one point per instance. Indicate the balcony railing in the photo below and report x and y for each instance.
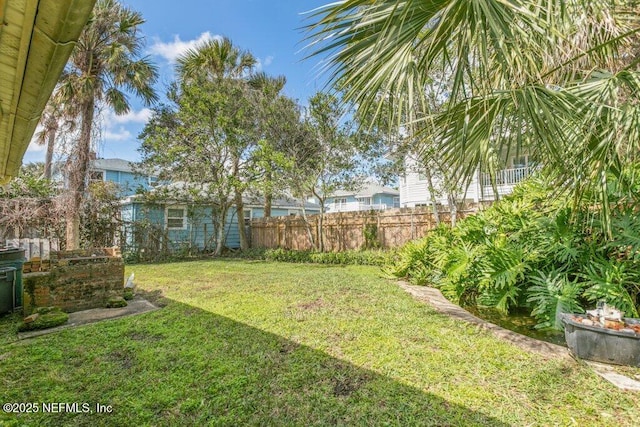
(507, 176)
(355, 206)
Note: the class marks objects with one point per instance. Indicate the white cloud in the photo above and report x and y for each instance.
(132, 116)
(35, 148)
(120, 134)
(171, 50)
(268, 60)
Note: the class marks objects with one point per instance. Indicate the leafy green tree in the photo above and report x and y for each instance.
(330, 162)
(104, 67)
(187, 142)
(219, 62)
(278, 123)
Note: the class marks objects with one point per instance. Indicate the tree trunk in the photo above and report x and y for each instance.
(432, 195)
(219, 224)
(321, 201)
(268, 196)
(453, 208)
(268, 200)
(242, 231)
(312, 240)
(51, 139)
(77, 175)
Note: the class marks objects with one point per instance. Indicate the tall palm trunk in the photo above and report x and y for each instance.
(77, 176)
(48, 160)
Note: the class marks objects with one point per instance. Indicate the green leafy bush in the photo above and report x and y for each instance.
(362, 257)
(532, 251)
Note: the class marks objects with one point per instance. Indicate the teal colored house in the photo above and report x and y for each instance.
(174, 226)
(370, 196)
(120, 172)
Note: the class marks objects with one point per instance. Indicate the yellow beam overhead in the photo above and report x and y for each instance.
(36, 39)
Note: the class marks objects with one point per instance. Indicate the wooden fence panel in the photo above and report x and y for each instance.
(35, 248)
(346, 230)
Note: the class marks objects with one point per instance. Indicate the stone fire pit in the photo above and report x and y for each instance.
(75, 280)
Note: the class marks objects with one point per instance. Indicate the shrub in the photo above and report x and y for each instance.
(362, 257)
(531, 251)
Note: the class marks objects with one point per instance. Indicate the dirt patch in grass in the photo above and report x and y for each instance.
(348, 383)
(145, 336)
(123, 357)
(314, 305)
(288, 347)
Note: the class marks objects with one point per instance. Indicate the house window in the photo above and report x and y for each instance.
(248, 214)
(153, 181)
(96, 176)
(293, 212)
(365, 201)
(176, 218)
(422, 176)
(341, 202)
(396, 202)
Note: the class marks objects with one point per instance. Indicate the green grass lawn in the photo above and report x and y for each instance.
(257, 343)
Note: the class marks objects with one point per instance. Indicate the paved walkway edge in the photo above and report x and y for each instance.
(434, 298)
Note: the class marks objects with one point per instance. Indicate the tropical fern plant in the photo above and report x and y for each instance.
(459, 280)
(502, 276)
(551, 294)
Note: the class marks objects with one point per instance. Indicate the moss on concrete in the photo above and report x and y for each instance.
(51, 317)
(116, 302)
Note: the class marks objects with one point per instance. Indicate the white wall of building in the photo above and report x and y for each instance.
(414, 190)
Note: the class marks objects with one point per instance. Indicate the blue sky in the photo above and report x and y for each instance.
(271, 30)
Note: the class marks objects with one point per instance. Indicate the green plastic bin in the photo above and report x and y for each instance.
(14, 257)
(7, 289)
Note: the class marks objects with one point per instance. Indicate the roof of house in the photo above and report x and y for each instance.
(368, 190)
(36, 39)
(249, 200)
(112, 165)
(282, 202)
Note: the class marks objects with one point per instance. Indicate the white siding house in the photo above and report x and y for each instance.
(370, 197)
(414, 190)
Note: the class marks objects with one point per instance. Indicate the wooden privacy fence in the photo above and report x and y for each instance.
(38, 248)
(347, 230)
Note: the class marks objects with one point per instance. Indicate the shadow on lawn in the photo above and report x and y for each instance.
(185, 366)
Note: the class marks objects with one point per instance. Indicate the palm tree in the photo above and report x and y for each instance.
(552, 77)
(50, 125)
(104, 66)
(218, 60)
(56, 118)
(215, 59)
